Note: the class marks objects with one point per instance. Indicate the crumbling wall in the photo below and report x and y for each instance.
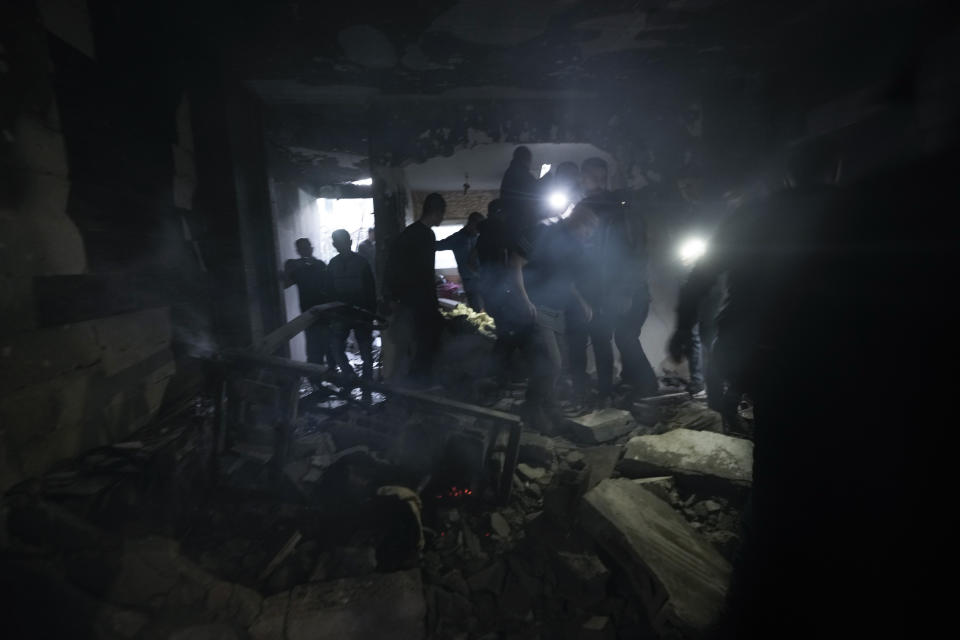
(107, 267)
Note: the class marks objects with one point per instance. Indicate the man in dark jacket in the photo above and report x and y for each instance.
(350, 280)
(411, 287)
(463, 243)
(310, 276)
(614, 282)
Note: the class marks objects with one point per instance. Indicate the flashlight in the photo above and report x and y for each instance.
(558, 200)
(692, 249)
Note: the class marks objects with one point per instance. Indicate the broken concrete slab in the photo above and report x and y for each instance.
(601, 461)
(711, 458)
(680, 578)
(660, 486)
(388, 605)
(600, 426)
(529, 473)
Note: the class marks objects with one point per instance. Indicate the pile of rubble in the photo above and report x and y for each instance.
(386, 522)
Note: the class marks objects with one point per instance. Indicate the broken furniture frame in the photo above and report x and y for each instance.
(259, 356)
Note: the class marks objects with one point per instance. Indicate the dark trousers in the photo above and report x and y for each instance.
(541, 347)
(474, 298)
(424, 325)
(637, 370)
(364, 337)
(318, 344)
(599, 333)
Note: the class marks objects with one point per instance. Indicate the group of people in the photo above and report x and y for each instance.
(347, 279)
(560, 262)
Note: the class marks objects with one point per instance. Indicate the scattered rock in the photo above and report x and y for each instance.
(536, 450)
(529, 473)
(499, 525)
(600, 426)
(719, 461)
(662, 487)
(712, 506)
(680, 578)
(602, 461)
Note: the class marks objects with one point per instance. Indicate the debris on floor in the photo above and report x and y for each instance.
(386, 521)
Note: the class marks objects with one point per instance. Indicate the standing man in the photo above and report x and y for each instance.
(368, 249)
(310, 275)
(615, 284)
(550, 279)
(351, 282)
(410, 286)
(519, 189)
(463, 243)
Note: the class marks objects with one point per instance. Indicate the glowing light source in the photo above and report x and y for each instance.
(558, 200)
(692, 249)
(366, 182)
(544, 169)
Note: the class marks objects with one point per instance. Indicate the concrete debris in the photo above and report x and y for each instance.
(600, 426)
(662, 487)
(529, 473)
(680, 578)
(602, 462)
(689, 415)
(499, 525)
(711, 459)
(537, 450)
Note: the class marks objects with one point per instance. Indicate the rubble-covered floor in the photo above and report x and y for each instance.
(384, 523)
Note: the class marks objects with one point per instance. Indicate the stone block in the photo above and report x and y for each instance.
(601, 461)
(710, 458)
(598, 628)
(679, 577)
(600, 426)
(42, 355)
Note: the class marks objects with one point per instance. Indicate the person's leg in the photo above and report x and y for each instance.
(601, 333)
(339, 332)
(474, 300)
(542, 349)
(576, 339)
(364, 336)
(427, 326)
(637, 370)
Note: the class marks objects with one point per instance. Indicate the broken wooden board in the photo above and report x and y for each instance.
(681, 579)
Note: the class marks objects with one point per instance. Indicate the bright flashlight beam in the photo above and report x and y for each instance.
(558, 200)
(544, 169)
(366, 182)
(692, 249)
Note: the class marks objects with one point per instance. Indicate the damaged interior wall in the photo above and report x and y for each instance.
(121, 246)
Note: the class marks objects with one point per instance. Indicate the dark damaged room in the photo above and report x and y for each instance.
(478, 319)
